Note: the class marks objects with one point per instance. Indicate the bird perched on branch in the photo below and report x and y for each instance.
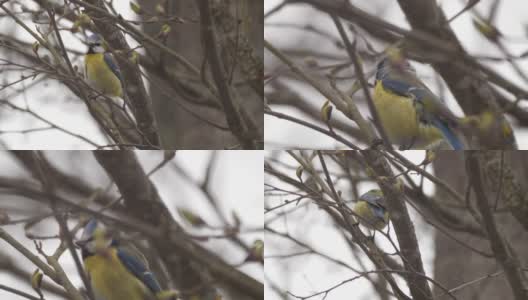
(102, 72)
(411, 115)
(117, 272)
(371, 210)
(492, 130)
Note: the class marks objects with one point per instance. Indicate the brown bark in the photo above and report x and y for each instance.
(178, 128)
(455, 265)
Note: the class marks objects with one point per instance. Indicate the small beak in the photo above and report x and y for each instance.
(80, 243)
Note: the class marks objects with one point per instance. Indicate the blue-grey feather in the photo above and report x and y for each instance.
(90, 227)
(397, 87)
(378, 211)
(374, 198)
(139, 270)
(449, 135)
(109, 60)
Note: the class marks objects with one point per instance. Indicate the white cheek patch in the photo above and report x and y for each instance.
(98, 49)
(90, 246)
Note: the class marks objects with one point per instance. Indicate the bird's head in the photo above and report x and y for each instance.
(375, 192)
(374, 197)
(394, 62)
(95, 44)
(95, 239)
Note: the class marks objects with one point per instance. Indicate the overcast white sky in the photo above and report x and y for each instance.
(236, 181)
(511, 20)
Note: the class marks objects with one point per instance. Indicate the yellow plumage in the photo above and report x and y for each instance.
(492, 130)
(112, 281)
(398, 117)
(368, 219)
(101, 76)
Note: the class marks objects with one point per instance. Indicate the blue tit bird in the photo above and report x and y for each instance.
(412, 116)
(492, 130)
(101, 70)
(115, 272)
(371, 210)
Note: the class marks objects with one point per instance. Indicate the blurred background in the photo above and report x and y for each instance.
(39, 109)
(310, 255)
(295, 268)
(232, 193)
(309, 38)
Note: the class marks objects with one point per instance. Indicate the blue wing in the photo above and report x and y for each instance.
(378, 211)
(440, 117)
(404, 89)
(448, 134)
(109, 60)
(372, 199)
(397, 87)
(136, 267)
(90, 227)
(374, 202)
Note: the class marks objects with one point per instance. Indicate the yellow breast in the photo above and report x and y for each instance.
(398, 118)
(368, 219)
(100, 76)
(112, 281)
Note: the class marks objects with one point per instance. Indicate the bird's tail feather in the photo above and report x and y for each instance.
(449, 135)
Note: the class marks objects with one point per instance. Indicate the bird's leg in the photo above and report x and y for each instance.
(409, 145)
(376, 143)
(413, 141)
(371, 237)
